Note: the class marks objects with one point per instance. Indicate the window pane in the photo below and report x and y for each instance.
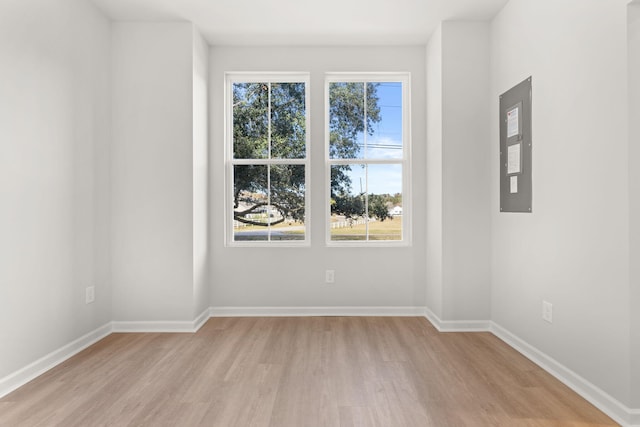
(250, 120)
(287, 200)
(348, 202)
(385, 201)
(269, 202)
(384, 112)
(288, 125)
(366, 202)
(346, 120)
(250, 203)
(366, 157)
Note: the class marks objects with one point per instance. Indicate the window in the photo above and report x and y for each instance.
(267, 156)
(367, 138)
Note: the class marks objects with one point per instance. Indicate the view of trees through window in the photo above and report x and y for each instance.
(270, 160)
(269, 152)
(366, 159)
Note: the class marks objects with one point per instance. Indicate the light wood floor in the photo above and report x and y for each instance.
(298, 372)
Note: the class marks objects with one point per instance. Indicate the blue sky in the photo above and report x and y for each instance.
(385, 143)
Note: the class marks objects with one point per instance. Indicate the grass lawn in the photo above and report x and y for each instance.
(283, 231)
(284, 224)
(389, 229)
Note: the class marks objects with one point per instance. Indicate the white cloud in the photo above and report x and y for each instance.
(384, 148)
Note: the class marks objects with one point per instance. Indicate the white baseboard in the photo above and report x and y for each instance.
(51, 360)
(597, 397)
(457, 325)
(187, 326)
(152, 326)
(314, 311)
(199, 321)
(610, 406)
(617, 411)
(42, 365)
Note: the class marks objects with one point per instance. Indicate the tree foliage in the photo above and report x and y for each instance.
(349, 205)
(260, 132)
(347, 118)
(269, 123)
(378, 207)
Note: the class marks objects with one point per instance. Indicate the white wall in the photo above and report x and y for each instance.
(201, 284)
(633, 50)
(573, 250)
(434, 174)
(152, 186)
(251, 277)
(54, 133)
(458, 192)
(465, 171)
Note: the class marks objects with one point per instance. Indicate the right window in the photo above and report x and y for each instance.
(368, 152)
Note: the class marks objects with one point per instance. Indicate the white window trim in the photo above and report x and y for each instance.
(267, 77)
(405, 78)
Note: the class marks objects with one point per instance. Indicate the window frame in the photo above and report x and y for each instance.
(372, 77)
(264, 77)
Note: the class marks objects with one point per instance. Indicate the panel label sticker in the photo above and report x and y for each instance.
(513, 127)
(513, 159)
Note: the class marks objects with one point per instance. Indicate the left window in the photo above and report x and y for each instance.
(267, 153)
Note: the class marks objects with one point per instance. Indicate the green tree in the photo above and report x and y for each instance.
(348, 115)
(348, 205)
(378, 207)
(260, 131)
(269, 121)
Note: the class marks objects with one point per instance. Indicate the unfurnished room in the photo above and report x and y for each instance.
(301, 213)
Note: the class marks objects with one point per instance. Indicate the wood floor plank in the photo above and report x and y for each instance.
(299, 372)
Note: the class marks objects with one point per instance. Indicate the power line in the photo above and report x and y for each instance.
(388, 146)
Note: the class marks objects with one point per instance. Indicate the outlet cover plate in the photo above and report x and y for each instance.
(547, 311)
(90, 294)
(330, 276)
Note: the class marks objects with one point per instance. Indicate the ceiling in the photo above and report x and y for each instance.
(306, 22)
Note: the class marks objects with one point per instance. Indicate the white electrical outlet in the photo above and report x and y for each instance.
(547, 311)
(330, 276)
(90, 294)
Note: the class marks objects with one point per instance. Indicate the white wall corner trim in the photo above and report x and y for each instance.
(189, 326)
(19, 378)
(315, 311)
(597, 397)
(457, 325)
(202, 318)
